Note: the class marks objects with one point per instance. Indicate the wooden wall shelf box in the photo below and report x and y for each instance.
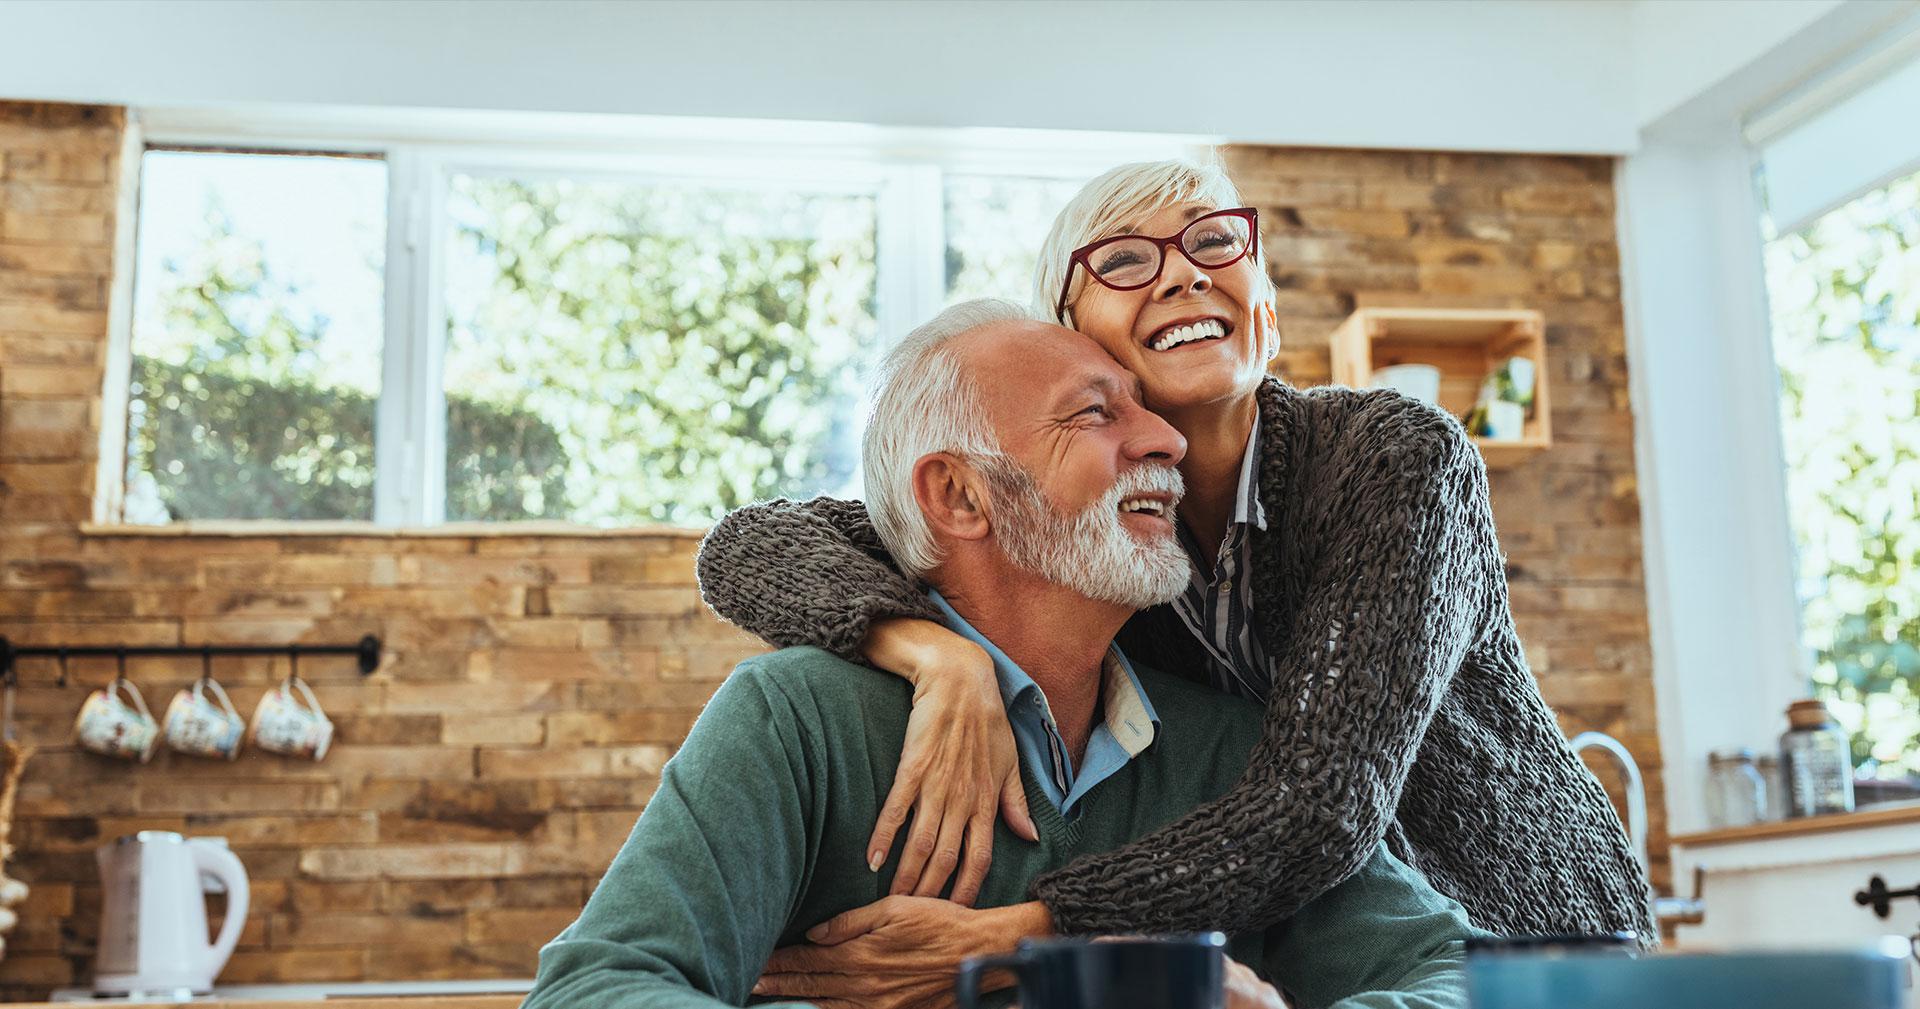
(1464, 344)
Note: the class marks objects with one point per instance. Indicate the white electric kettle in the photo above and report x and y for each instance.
(153, 929)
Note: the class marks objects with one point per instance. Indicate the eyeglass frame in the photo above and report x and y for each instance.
(1081, 255)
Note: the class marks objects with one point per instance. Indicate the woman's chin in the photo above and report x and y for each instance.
(1173, 385)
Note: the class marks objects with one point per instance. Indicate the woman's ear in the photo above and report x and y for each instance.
(1267, 319)
(952, 496)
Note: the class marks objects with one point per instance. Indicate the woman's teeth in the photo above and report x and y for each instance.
(1205, 329)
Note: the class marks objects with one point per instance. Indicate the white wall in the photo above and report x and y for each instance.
(1683, 47)
(1431, 74)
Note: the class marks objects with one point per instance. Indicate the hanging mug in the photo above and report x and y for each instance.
(197, 725)
(291, 724)
(110, 726)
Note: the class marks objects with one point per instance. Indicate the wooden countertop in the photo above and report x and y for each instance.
(385, 1002)
(1872, 816)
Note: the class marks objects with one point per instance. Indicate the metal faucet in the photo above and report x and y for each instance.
(1666, 910)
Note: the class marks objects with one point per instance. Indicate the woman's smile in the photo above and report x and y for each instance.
(1186, 332)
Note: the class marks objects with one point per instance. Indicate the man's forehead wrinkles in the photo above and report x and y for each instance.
(1098, 382)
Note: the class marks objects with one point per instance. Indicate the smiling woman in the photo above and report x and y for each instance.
(1342, 566)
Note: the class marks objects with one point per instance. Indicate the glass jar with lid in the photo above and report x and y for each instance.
(1776, 807)
(1736, 794)
(1816, 762)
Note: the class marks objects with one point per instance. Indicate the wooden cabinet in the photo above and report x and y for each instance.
(1465, 344)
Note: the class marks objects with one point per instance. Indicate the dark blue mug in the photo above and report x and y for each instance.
(1859, 979)
(1137, 972)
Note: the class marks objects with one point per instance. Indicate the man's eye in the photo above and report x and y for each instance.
(1094, 409)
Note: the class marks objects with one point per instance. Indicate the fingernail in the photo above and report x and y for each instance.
(816, 933)
(874, 858)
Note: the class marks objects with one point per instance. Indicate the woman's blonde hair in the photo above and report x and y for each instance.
(1114, 204)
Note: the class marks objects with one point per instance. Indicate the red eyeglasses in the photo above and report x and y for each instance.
(1131, 262)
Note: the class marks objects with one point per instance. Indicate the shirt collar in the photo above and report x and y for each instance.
(1128, 714)
(1246, 503)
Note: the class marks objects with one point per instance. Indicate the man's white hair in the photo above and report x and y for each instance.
(1115, 204)
(924, 402)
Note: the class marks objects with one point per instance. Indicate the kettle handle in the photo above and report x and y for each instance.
(224, 866)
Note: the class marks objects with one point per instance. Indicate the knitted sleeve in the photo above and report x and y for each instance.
(1396, 595)
(805, 573)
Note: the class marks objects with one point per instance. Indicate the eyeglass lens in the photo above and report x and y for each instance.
(1134, 261)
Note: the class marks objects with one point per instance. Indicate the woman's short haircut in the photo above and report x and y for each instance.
(1117, 203)
(924, 403)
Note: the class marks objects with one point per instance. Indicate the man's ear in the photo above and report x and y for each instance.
(952, 495)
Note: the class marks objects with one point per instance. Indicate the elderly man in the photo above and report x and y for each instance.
(1011, 465)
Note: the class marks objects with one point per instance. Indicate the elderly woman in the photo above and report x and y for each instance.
(1345, 571)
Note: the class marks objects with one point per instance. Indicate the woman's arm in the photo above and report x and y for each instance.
(1399, 593)
(815, 573)
(806, 573)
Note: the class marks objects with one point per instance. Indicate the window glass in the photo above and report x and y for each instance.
(257, 335)
(1845, 295)
(995, 224)
(626, 352)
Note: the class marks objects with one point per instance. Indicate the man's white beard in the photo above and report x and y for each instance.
(1091, 552)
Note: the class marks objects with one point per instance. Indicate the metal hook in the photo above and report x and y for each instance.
(120, 660)
(206, 663)
(293, 664)
(62, 681)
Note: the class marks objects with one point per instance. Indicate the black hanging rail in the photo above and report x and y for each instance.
(367, 650)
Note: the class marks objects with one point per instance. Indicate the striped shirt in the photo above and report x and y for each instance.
(1218, 602)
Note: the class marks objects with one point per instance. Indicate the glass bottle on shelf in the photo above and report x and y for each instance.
(1776, 806)
(1736, 794)
(1815, 762)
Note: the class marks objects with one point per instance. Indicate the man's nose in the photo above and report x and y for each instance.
(1178, 274)
(1155, 440)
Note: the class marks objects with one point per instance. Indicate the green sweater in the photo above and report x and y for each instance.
(757, 832)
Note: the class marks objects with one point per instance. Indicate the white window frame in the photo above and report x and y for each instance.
(1716, 536)
(903, 169)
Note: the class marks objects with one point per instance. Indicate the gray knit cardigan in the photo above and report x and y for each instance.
(1401, 705)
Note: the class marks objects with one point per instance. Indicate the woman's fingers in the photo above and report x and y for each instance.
(946, 853)
(893, 813)
(921, 840)
(1013, 807)
(978, 859)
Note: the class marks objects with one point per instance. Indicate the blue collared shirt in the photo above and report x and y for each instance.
(1129, 725)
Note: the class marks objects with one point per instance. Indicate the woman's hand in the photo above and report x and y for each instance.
(1245, 990)
(899, 952)
(958, 769)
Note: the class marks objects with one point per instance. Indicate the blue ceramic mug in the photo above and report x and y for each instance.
(1852, 979)
(1147, 972)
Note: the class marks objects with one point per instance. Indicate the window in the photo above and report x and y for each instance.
(995, 225)
(257, 337)
(1845, 293)
(658, 351)
(430, 332)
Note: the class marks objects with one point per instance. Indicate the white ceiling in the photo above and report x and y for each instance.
(1571, 75)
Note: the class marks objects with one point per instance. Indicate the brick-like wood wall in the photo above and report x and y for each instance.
(484, 777)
